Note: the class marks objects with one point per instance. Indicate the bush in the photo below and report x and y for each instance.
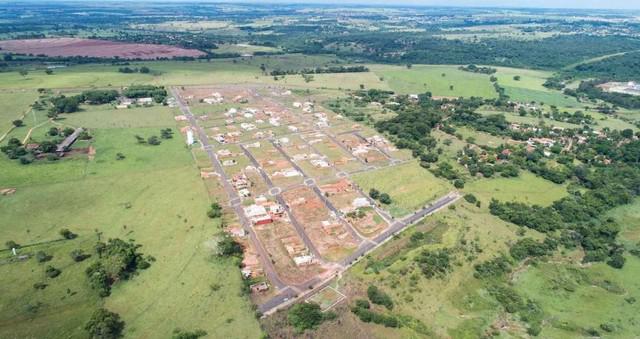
(435, 263)
(40, 286)
(52, 272)
(495, 267)
(41, 256)
(378, 297)
(470, 198)
(305, 316)
(11, 244)
(65, 233)
(182, 334)
(18, 123)
(153, 140)
(228, 247)
(104, 325)
(215, 211)
(458, 183)
(78, 255)
(385, 198)
(374, 193)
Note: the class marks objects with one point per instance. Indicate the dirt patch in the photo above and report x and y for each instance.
(7, 191)
(91, 153)
(66, 47)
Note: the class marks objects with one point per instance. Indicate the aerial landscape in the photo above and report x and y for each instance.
(201, 169)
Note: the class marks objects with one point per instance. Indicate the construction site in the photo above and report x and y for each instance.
(282, 165)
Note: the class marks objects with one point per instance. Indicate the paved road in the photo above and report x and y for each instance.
(299, 229)
(285, 299)
(267, 265)
(322, 197)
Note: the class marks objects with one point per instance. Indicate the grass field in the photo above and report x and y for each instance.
(409, 185)
(456, 306)
(427, 78)
(155, 196)
(576, 300)
(526, 188)
(14, 105)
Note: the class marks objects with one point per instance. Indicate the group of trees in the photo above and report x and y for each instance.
(365, 313)
(158, 93)
(128, 70)
(320, 70)
(307, 315)
(117, 260)
(382, 197)
(475, 69)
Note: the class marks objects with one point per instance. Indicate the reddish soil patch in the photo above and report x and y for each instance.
(66, 47)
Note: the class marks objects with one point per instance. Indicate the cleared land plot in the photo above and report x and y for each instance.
(67, 47)
(327, 298)
(326, 231)
(409, 185)
(336, 155)
(428, 78)
(283, 243)
(526, 188)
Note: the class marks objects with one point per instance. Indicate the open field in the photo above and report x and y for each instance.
(428, 78)
(526, 188)
(67, 47)
(409, 185)
(15, 104)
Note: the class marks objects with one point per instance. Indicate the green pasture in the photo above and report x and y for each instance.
(409, 185)
(526, 188)
(428, 78)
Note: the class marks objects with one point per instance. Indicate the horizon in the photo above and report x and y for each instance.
(488, 4)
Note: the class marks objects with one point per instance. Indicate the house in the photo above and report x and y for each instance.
(319, 163)
(303, 260)
(360, 202)
(244, 193)
(237, 232)
(229, 162)
(259, 287)
(145, 101)
(258, 215)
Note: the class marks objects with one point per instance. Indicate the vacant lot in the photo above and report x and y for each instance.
(409, 185)
(67, 47)
(526, 188)
(447, 81)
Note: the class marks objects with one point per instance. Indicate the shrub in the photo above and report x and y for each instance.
(229, 247)
(182, 334)
(470, 198)
(104, 325)
(65, 233)
(435, 263)
(41, 256)
(378, 297)
(40, 286)
(78, 255)
(52, 272)
(385, 198)
(11, 244)
(215, 211)
(18, 123)
(304, 316)
(374, 193)
(495, 267)
(153, 140)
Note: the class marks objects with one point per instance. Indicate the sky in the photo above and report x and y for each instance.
(585, 4)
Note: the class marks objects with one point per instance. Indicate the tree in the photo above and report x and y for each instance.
(144, 70)
(153, 140)
(516, 78)
(385, 198)
(305, 316)
(48, 71)
(215, 211)
(52, 272)
(374, 193)
(18, 123)
(228, 247)
(23, 72)
(78, 255)
(53, 131)
(65, 233)
(104, 325)
(11, 244)
(378, 297)
(166, 133)
(458, 183)
(41, 256)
